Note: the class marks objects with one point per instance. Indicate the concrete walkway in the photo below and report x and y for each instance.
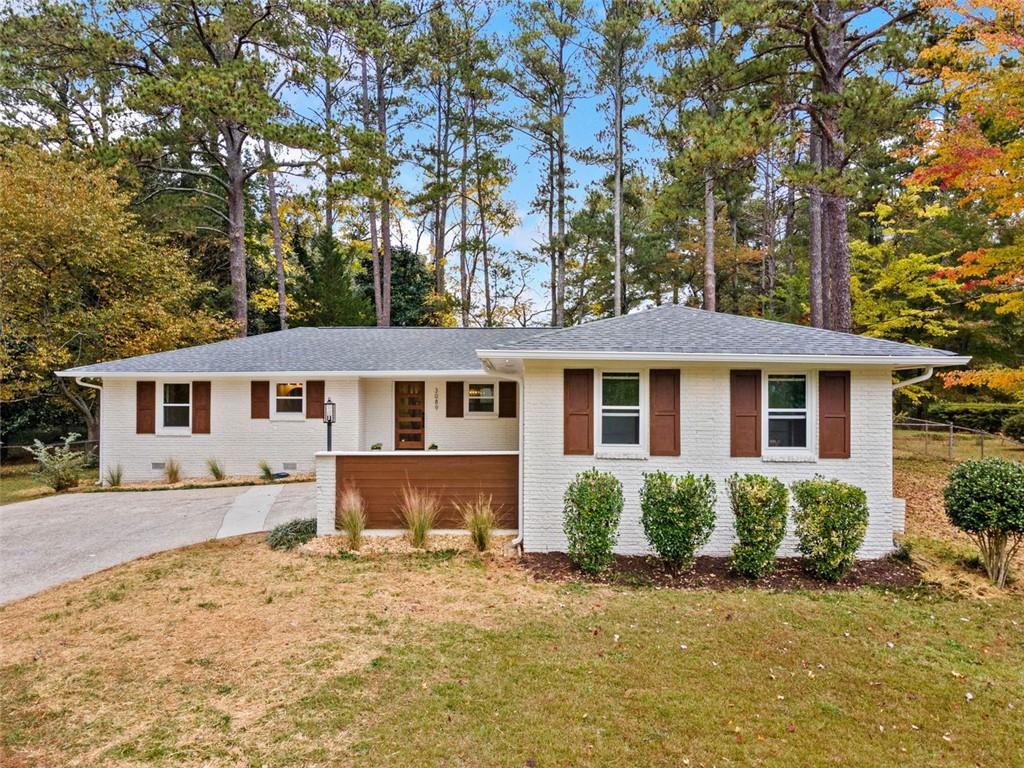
(48, 541)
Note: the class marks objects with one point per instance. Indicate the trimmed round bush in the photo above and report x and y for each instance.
(677, 514)
(1013, 427)
(985, 499)
(831, 519)
(590, 519)
(759, 506)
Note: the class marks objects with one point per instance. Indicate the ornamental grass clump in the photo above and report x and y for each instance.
(112, 477)
(985, 499)
(266, 472)
(480, 520)
(677, 513)
(590, 519)
(216, 470)
(172, 471)
(351, 516)
(419, 511)
(60, 467)
(759, 506)
(831, 520)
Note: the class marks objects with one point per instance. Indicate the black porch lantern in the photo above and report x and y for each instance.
(329, 417)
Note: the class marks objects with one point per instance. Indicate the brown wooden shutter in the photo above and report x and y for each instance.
(314, 399)
(260, 400)
(453, 391)
(200, 407)
(145, 407)
(578, 412)
(507, 399)
(745, 413)
(665, 413)
(834, 414)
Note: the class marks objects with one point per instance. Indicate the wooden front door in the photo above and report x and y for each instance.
(409, 415)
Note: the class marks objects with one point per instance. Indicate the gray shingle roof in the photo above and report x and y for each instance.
(324, 349)
(677, 330)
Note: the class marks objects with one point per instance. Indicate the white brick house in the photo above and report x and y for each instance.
(516, 413)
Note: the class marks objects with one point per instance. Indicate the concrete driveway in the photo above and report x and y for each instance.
(59, 538)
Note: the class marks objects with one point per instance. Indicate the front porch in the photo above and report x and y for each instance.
(454, 477)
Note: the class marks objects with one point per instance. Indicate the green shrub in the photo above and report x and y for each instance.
(759, 506)
(677, 514)
(831, 519)
(216, 470)
(266, 473)
(60, 467)
(291, 534)
(113, 476)
(419, 511)
(350, 516)
(590, 519)
(985, 499)
(172, 471)
(988, 417)
(480, 520)
(1013, 427)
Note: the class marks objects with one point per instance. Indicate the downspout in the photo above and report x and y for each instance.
(99, 444)
(915, 379)
(521, 380)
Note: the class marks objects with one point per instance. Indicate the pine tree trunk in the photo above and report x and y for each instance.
(329, 201)
(463, 235)
(385, 207)
(815, 234)
(233, 141)
(617, 304)
(481, 207)
(709, 241)
(441, 209)
(551, 229)
(275, 228)
(378, 296)
(769, 237)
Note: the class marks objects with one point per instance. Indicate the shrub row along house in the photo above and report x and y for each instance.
(518, 413)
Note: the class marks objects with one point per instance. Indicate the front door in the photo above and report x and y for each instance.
(409, 415)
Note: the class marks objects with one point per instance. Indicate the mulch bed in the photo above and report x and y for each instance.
(714, 573)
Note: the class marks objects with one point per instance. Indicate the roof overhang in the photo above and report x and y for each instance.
(887, 361)
(73, 373)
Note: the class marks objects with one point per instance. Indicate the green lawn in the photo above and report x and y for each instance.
(232, 654)
(17, 482)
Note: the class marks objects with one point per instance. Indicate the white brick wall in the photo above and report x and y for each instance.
(704, 426)
(365, 415)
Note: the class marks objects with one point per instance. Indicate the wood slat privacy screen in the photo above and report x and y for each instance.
(260, 400)
(578, 416)
(200, 407)
(834, 414)
(145, 407)
(745, 413)
(665, 413)
(453, 393)
(507, 399)
(315, 399)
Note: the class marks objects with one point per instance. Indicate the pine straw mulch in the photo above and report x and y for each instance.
(715, 573)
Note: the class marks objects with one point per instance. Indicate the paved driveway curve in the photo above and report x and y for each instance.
(48, 541)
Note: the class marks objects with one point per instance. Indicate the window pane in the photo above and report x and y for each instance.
(481, 405)
(787, 432)
(620, 429)
(622, 389)
(176, 393)
(787, 392)
(289, 390)
(176, 415)
(289, 405)
(481, 390)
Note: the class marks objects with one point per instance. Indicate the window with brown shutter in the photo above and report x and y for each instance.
(745, 413)
(834, 414)
(200, 407)
(578, 412)
(507, 399)
(315, 399)
(665, 412)
(453, 391)
(260, 400)
(145, 407)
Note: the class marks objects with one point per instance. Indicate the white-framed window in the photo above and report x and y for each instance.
(619, 396)
(481, 399)
(289, 400)
(175, 408)
(788, 415)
